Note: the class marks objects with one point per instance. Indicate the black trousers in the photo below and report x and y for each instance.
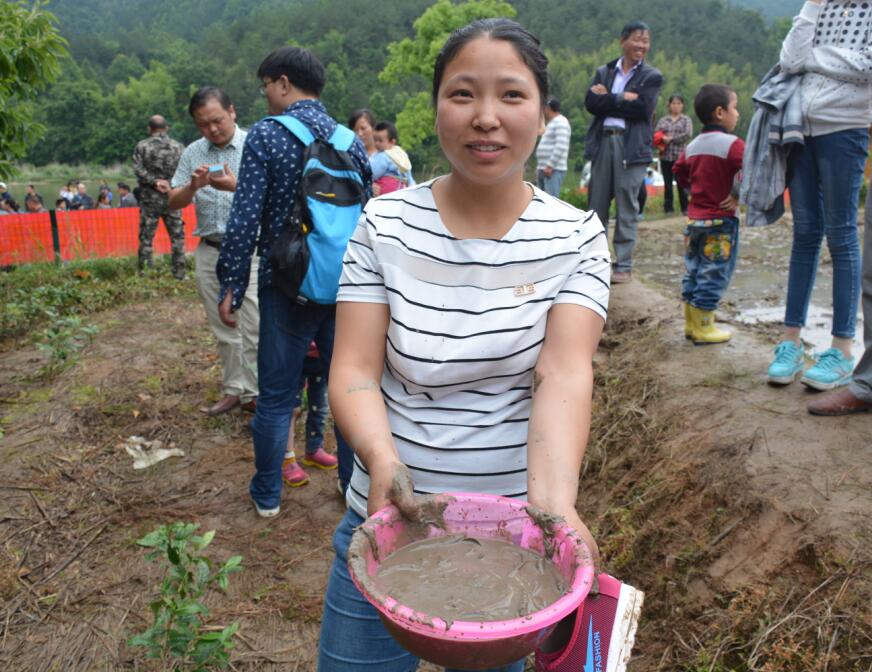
(666, 168)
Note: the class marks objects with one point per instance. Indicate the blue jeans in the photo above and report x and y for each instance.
(550, 184)
(353, 638)
(710, 254)
(314, 382)
(286, 329)
(824, 191)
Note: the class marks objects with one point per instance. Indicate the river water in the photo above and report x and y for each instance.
(759, 287)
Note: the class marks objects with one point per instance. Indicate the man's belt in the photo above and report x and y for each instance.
(613, 130)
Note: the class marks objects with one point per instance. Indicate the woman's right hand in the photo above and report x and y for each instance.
(391, 483)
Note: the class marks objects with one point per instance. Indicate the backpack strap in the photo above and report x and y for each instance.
(342, 138)
(297, 127)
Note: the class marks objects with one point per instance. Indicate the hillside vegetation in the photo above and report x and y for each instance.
(128, 62)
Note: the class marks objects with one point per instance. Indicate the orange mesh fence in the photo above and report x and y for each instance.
(25, 239)
(83, 234)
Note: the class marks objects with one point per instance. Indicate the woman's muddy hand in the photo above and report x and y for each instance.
(402, 493)
(391, 483)
(574, 521)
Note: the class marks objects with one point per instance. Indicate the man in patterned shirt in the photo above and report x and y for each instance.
(292, 79)
(206, 176)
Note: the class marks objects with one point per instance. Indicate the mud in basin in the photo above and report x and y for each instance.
(479, 586)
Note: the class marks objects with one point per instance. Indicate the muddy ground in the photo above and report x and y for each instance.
(745, 520)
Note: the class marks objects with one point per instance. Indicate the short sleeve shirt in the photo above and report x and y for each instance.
(212, 205)
(467, 322)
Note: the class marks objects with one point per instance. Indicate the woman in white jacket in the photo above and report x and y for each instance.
(829, 45)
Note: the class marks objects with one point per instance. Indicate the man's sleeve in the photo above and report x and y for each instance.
(240, 237)
(359, 156)
(183, 171)
(593, 102)
(615, 105)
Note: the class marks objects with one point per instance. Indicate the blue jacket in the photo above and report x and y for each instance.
(639, 113)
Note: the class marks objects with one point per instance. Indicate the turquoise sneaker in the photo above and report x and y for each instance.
(788, 363)
(831, 369)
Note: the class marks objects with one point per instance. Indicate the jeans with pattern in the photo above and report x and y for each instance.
(709, 261)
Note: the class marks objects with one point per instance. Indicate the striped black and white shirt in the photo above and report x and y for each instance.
(467, 321)
(553, 148)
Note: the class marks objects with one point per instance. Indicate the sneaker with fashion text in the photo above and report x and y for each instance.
(602, 634)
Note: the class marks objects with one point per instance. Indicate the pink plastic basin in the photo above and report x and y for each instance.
(472, 645)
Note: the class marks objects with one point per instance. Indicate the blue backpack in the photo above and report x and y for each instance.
(306, 258)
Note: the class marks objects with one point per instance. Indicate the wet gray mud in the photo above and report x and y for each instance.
(456, 577)
(758, 291)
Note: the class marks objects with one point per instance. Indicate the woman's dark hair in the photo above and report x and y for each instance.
(357, 114)
(207, 93)
(524, 42)
(710, 98)
(301, 67)
(676, 96)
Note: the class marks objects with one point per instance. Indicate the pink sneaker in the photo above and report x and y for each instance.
(603, 632)
(320, 459)
(293, 474)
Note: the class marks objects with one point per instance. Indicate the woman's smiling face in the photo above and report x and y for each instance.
(488, 112)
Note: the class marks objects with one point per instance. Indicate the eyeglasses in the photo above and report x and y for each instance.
(263, 87)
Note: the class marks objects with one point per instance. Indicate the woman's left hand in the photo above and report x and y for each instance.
(574, 520)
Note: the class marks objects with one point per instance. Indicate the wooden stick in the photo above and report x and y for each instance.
(41, 509)
(75, 555)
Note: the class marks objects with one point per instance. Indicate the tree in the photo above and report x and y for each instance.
(413, 59)
(30, 52)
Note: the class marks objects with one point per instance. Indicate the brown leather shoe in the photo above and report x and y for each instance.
(227, 404)
(839, 402)
(250, 406)
(620, 277)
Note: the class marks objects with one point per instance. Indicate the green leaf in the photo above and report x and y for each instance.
(206, 539)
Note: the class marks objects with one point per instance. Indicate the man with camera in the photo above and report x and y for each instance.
(206, 176)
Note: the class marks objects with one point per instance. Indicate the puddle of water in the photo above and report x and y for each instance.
(759, 286)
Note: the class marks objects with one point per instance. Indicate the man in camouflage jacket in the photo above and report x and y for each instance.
(154, 163)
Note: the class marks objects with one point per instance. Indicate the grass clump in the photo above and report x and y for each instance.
(46, 295)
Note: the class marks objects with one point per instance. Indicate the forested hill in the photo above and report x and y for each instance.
(774, 9)
(131, 59)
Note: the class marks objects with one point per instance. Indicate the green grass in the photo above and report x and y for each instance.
(39, 295)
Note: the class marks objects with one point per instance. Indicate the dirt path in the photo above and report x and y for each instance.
(718, 495)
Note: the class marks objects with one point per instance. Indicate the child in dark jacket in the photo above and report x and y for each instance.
(710, 166)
